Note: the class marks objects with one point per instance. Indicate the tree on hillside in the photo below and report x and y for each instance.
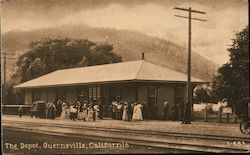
(232, 81)
(48, 55)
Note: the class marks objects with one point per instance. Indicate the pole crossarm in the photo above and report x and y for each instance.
(9, 58)
(203, 20)
(8, 53)
(194, 11)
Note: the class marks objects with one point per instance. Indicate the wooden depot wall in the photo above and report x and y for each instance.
(129, 92)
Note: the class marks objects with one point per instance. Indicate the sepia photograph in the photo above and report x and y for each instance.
(124, 77)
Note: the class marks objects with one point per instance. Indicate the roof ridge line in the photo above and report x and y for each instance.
(97, 65)
(139, 69)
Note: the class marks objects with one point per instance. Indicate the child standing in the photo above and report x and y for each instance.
(20, 111)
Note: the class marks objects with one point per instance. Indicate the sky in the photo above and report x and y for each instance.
(151, 17)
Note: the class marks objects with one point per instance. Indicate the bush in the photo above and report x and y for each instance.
(209, 108)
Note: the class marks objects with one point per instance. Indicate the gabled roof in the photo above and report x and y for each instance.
(125, 71)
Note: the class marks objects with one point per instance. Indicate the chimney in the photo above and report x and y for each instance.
(142, 55)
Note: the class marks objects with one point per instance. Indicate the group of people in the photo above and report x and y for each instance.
(93, 111)
(117, 110)
(177, 111)
(126, 111)
(81, 111)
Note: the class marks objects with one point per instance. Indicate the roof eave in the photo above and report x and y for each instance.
(106, 82)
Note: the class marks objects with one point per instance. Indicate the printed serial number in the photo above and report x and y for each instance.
(236, 143)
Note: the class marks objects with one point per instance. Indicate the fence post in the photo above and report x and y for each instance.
(235, 118)
(205, 114)
(220, 113)
(227, 117)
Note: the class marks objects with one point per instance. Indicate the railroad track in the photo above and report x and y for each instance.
(135, 137)
(174, 134)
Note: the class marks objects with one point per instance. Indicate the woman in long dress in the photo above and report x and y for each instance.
(125, 112)
(84, 111)
(63, 113)
(140, 107)
(114, 109)
(67, 111)
(137, 112)
(47, 109)
(97, 111)
(119, 111)
(134, 111)
(53, 111)
(164, 111)
(73, 112)
(79, 110)
(90, 113)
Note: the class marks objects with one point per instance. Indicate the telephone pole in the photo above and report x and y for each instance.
(4, 68)
(3, 86)
(187, 112)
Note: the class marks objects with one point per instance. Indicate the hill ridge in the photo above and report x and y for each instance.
(129, 44)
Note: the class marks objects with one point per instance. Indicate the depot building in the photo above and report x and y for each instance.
(130, 81)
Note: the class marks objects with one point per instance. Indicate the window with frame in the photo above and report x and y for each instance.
(152, 95)
(104, 95)
(94, 93)
(90, 93)
(98, 93)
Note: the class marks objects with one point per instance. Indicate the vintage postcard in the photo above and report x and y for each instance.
(124, 76)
